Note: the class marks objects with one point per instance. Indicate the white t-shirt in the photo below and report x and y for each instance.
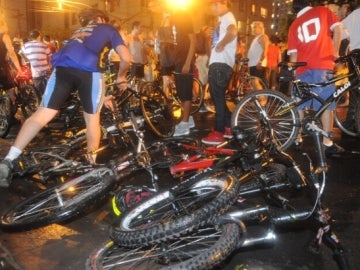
(351, 25)
(227, 56)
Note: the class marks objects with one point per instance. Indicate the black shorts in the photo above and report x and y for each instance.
(64, 80)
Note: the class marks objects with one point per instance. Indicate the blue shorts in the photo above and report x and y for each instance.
(317, 76)
(64, 80)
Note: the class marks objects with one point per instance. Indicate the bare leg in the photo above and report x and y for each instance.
(186, 110)
(33, 125)
(327, 120)
(93, 133)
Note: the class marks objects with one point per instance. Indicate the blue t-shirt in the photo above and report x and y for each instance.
(88, 48)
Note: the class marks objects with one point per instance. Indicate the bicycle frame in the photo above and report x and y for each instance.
(299, 87)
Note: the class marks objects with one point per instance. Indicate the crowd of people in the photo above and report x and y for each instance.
(80, 63)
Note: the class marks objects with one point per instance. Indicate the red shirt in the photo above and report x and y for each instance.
(310, 35)
(273, 55)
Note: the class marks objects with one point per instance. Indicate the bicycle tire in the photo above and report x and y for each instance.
(342, 105)
(180, 209)
(202, 249)
(197, 96)
(357, 117)
(5, 114)
(156, 110)
(283, 119)
(28, 99)
(59, 203)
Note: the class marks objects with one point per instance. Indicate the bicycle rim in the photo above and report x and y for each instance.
(5, 114)
(156, 110)
(197, 96)
(285, 123)
(178, 210)
(29, 100)
(202, 249)
(342, 105)
(58, 203)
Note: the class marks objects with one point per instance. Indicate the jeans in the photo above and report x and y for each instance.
(219, 76)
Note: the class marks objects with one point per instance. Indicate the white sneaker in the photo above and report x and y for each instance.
(182, 129)
(191, 122)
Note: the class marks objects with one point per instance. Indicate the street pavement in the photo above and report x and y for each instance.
(68, 245)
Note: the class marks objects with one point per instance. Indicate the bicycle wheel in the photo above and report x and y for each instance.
(28, 99)
(357, 117)
(156, 110)
(202, 249)
(59, 203)
(284, 120)
(180, 209)
(342, 106)
(5, 114)
(197, 96)
(252, 83)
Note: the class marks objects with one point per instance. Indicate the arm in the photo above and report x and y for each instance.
(231, 34)
(190, 54)
(124, 65)
(11, 52)
(264, 43)
(337, 37)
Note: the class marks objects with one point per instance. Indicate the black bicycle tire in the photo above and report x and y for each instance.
(340, 117)
(246, 116)
(357, 117)
(198, 102)
(5, 115)
(97, 186)
(202, 258)
(154, 102)
(29, 99)
(162, 223)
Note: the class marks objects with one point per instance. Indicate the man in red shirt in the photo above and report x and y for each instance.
(314, 37)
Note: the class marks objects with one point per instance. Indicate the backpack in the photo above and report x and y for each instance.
(201, 43)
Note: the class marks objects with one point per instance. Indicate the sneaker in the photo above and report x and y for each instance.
(182, 129)
(228, 133)
(5, 173)
(191, 122)
(333, 149)
(213, 138)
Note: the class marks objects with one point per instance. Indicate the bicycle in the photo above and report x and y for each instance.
(240, 83)
(23, 96)
(282, 111)
(174, 99)
(92, 186)
(174, 216)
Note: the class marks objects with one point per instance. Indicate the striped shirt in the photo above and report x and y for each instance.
(38, 54)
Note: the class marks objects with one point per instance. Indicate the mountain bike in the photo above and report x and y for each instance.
(94, 184)
(23, 96)
(282, 111)
(174, 99)
(240, 83)
(180, 214)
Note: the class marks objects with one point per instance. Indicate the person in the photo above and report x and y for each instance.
(37, 53)
(184, 58)
(352, 34)
(273, 59)
(78, 65)
(137, 50)
(257, 52)
(165, 47)
(314, 37)
(47, 41)
(222, 60)
(9, 61)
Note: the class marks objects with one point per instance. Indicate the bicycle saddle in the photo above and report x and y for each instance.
(291, 65)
